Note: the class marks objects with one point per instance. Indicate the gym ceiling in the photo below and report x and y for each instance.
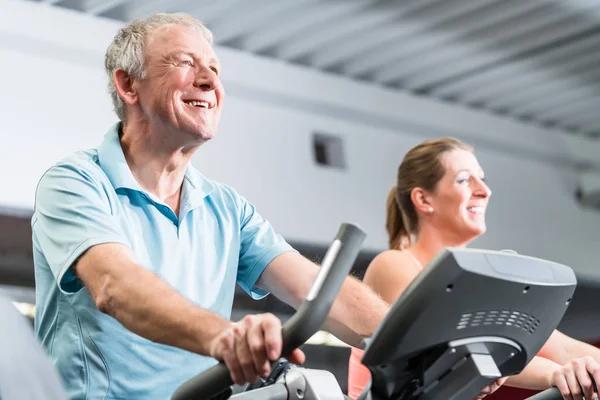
(535, 61)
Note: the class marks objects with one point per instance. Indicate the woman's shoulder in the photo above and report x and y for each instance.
(394, 259)
(390, 272)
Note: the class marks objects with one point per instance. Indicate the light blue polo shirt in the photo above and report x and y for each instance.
(91, 197)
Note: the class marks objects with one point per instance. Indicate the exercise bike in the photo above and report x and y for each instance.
(471, 317)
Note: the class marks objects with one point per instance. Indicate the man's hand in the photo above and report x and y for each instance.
(575, 379)
(249, 346)
(491, 388)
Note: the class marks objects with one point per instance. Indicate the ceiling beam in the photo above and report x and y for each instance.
(137, 8)
(529, 75)
(205, 11)
(587, 118)
(527, 81)
(407, 28)
(233, 25)
(322, 34)
(543, 93)
(85, 5)
(583, 6)
(570, 109)
(533, 34)
(481, 82)
(366, 28)
(464, 28)
(299, 24)
(99, 7)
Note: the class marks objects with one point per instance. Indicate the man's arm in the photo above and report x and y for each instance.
(144, 303)
(356, 312)
(83, 243)
(149, 307)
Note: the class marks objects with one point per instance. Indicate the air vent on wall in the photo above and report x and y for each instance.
(329, 150)
(587, 192)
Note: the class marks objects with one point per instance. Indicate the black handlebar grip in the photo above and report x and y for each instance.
(311, 314)
(206, 385)
(336, 266)
(554, 394)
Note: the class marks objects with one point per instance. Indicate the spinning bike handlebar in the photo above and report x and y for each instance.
(307, 320)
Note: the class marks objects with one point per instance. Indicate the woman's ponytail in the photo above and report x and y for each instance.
(396, 224)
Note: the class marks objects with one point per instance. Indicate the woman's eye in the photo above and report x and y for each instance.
(188, 62)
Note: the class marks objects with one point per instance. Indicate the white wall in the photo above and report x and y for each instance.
(53, 102)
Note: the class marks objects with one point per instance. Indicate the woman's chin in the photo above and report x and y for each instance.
(480, 230)
(476, 230)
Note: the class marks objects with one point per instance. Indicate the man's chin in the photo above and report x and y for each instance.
(202, 134)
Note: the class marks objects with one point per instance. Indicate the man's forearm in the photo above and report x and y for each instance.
(149, 307)
(356, 312)
(535, 376)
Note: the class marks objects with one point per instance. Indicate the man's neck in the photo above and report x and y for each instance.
(157, 165)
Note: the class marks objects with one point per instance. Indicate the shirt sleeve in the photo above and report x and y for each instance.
(72, 213)
(259, 245)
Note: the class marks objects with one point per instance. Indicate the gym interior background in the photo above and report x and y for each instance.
(324, 97)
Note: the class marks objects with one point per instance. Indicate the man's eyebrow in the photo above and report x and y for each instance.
(213, 60)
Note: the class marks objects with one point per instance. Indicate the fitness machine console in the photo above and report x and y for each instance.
(471, 317)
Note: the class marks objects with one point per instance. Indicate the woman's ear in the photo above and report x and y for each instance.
(124, 85)
(421, 201)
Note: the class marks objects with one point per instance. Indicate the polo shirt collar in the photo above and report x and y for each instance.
(112, 161)
(198, 184)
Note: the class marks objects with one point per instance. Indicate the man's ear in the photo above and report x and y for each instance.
(421, 200)
(125, 86)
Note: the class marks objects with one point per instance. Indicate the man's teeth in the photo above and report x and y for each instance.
(476, 210)
(202, 104)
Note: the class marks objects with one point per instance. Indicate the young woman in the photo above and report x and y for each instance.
(440, 200)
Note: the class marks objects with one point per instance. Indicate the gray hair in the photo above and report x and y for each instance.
(127, 48)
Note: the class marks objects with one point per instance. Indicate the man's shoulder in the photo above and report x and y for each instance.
(81, 162)
(81, 158)
(224, 190)
(73, 173)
